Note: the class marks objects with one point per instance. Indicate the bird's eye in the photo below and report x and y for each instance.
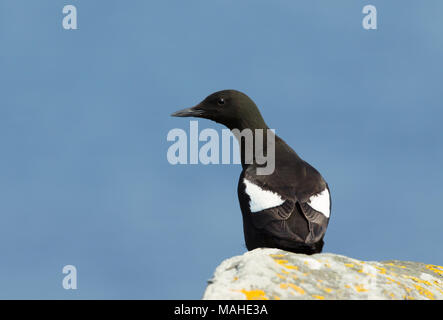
(221, 101)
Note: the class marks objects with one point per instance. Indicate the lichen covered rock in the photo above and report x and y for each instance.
(278, 274)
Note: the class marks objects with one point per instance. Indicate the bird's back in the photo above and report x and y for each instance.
(288, 209)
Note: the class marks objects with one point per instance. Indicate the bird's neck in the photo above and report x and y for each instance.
(245, 122)
(255, 144)
(255, 139)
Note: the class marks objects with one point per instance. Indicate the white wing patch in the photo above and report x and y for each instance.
(261, 199)
(320, 202)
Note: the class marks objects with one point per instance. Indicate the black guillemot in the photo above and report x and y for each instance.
(287, 209)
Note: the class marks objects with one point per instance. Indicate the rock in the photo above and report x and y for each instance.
(278, 274)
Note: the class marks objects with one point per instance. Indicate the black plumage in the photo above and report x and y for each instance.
(296, 223)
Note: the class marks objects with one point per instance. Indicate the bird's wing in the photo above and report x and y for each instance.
(284, 212)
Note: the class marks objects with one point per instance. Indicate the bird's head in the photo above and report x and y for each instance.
(231, 108)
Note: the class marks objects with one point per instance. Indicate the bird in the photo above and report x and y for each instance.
(288, 209)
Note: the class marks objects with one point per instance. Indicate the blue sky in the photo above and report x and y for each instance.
(84, 116)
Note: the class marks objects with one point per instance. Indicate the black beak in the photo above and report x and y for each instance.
(196, 111)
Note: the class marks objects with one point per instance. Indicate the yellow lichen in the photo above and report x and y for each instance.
(424, 292)
(395, 281)
(297, 288)
(284, 264)
(254, 294)
(439, 290)
(366, 273)
(418, 280)
(291, 267)
(360, 288)
(281, 261)
(277, 255)
(380, 270)
(434, 268)
(280, 276)
(328, 290)
(349, 265)
(292, 286)
(318, 297)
